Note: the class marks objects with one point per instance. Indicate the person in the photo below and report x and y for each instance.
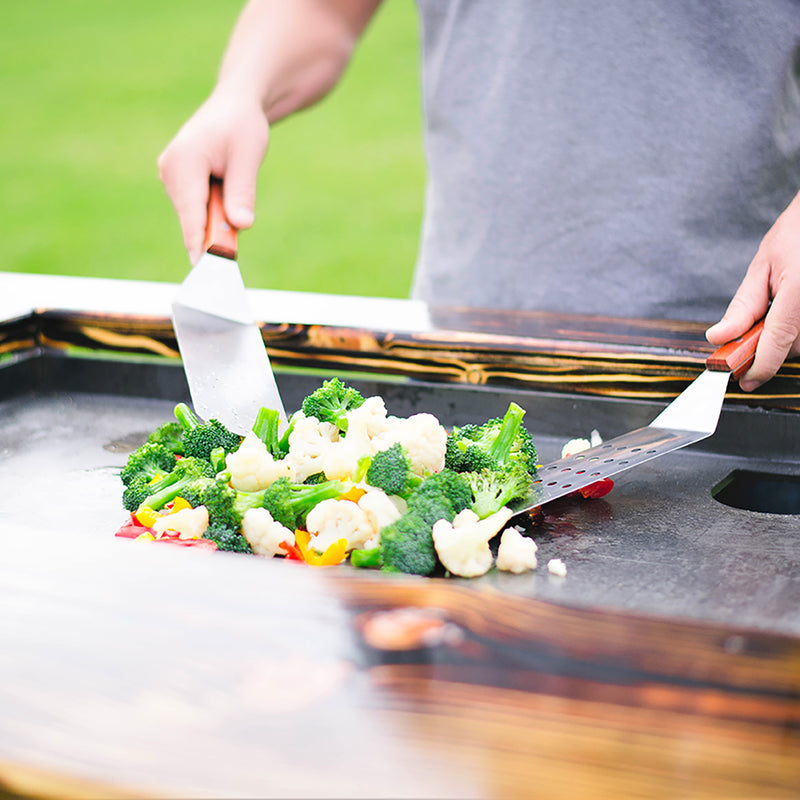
(621, 158)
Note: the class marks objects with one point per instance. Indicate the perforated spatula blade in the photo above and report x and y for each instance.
(693, 415)
(227, 367)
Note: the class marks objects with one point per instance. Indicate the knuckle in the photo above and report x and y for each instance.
(783, 333)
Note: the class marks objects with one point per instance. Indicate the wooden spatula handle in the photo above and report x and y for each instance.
(738, 355)
(221, 237)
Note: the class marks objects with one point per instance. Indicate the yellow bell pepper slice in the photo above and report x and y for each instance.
(334, 554)
(146, 516)
(354, 493)
(178, 504)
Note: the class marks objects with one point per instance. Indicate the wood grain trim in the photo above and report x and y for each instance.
(647, 360)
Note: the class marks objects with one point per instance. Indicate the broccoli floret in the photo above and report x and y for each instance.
(473, 448)
(266, 428)
(193, 493)
(448, 484)
(331, 402)
(200, 438)
(407, 546)
(390, 470)
(507, 440)
(431, 506)
(170, 434)
(189, 476)
(462, 454)
(493, 489)
(135, 493)
(288, 502)
(218, 496)
(229, 539)
(441, 496)
(225, 505)
(150, 461)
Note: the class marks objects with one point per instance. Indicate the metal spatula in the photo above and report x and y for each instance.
(226, 363)
(690, 417)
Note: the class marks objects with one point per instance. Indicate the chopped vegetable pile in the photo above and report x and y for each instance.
(343, 481)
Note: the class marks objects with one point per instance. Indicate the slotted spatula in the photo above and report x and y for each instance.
(223, 353)
(693, 415)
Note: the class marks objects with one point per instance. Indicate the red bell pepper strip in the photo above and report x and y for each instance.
(292, 553)
(131, 529)
(597, 489)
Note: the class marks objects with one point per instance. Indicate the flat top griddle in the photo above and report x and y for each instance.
(665, 664)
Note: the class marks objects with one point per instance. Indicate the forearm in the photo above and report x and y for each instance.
(286, 54)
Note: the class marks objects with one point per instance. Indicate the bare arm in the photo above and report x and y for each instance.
(282, 56)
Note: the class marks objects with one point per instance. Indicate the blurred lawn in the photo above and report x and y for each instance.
(94, 89)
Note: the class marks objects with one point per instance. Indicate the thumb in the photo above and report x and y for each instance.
(748, 305)
(241, 176)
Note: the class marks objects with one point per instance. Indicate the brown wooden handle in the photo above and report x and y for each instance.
(221, 237)
(738, 355)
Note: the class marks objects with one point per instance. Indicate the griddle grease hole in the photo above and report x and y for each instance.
(759, 491)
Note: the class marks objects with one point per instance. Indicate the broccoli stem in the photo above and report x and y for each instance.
(512, 421)
(283, 443)
(189, 474)
(266, 428)
(217, 459)
(187, 418)
(367, 559)
(166, 492)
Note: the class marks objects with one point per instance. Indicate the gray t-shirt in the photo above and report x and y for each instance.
(620, 157)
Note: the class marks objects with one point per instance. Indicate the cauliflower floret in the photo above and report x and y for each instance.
(517, 553)
(263, 533)
(252, 466)
(340, 460)
(189, 523)
(382, 510)
(332, 520)
(463, 545)
(579, 445)
(308, 442)
(366, 423)
(423, 438)
(368, 420)
(555, 566)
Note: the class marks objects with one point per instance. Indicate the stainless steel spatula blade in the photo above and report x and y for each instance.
(692, 416)
(227, 367)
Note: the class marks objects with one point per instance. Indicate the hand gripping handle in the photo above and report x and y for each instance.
(738, 355)
(221, 237)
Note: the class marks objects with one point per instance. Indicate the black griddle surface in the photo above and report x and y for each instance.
(658, 544)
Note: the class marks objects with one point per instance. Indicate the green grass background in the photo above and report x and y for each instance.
(92, 90)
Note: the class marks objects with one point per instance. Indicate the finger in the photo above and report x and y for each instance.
(185, 178)
(779, 337)
(240, 181)
(748, 305)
